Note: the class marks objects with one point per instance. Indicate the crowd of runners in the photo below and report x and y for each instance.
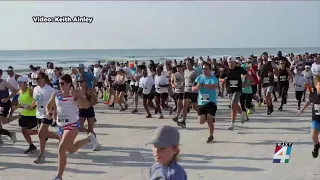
(50, 97)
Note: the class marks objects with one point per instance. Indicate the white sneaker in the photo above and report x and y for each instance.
(231, 127)
(13, 137)
(242, 117)
(93, 140)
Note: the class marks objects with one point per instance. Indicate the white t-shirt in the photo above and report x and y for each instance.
(299, 82)
(161, 80)
(97, 74)
(42, 97)
(127, 70)
(50, 73)
(308, 76)
(315, 69)
(146, 84)
(33, 78)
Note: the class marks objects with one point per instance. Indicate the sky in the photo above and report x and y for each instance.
(156, 24)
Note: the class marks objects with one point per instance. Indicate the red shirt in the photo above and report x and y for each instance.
(253, 73)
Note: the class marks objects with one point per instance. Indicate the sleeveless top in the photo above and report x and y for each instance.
(283, 75)
(25, 100)
(178, 79)
(4, 93)
(66, 110)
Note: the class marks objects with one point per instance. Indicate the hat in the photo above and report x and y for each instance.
(165, 136)
(81, 66)
(22, 79)
(10, 68)
(307, 66)
(118, 68)
(231, 59)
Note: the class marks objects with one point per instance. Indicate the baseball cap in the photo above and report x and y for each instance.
(81, 66)
(165, 136)
(231, 59)
(22, 79)
(307, 66)
(10, 68)
(118, 68)
(269, 59)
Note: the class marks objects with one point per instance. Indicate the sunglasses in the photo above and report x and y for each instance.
(205, 69)
(38, 78)
(62, 83)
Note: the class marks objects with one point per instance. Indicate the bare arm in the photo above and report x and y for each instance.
(13, 90)
(52, 103)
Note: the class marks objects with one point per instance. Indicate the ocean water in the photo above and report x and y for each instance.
(21, 59)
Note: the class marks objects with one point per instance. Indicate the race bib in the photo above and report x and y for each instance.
(233, 83)
(24, 106)
(266, 80)
(205, 97)
(317, 109)
(188, 89)
(55, 86)
(113, 78)
(62, 118)
(283, 78)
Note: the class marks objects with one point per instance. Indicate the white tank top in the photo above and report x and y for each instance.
(12, 80)
(66, 110)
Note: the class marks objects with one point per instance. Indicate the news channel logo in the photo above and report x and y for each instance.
(282, 153)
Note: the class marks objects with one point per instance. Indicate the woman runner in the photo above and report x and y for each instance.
(66, 102)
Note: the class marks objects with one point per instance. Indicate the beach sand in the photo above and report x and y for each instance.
(243, 154)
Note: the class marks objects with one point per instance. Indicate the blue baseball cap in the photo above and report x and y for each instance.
(22, 79)
(81, 66)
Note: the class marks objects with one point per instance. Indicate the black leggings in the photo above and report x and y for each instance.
(283, 92)
(299, 97)
(245, 101)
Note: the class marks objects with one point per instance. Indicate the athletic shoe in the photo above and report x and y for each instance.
(182, 124)
(13, 137)
(40, 160)
(92, 139)
(210, 139)
(1, 142)
(31, 149)
(242, 116)
(315, 151)
(57, 178)
(231, 127)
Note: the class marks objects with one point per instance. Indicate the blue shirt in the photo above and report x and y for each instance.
(206, 95)
(89, 79)
(171, 172)
(198, 70)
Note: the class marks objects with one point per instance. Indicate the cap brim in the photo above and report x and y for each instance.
(159, 144)
(21, 81)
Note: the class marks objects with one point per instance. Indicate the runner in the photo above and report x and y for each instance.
(66, 102)
(98, 75)
(178, 85)
(267, 71)
(190, 76)
(299, 84)
(314, 98)
(5, 105)
(12, 79)
(246, 95)
(283, 79)
(112, 73)
(206, 85)
(120, 83)
(147, 88)
(28, 120)
(233, 80)
(88, 113)
(161, 87)
(41, 96)
(135, 86)
(309, 81)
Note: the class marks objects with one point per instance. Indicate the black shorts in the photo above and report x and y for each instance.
(148, 96)
(254, 88)
(121, 87)
(5, 108)
(114, 87)
(99, 84)
(134, 88)
(210, 108)
(45, 121)
(162, 95)
(178, 96)
(28, 122)
(87, 113)
(192, 96)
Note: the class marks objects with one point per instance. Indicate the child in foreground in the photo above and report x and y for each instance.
(165, 151)
(314, 98)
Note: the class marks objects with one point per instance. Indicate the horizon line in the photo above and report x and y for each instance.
(151, 48)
